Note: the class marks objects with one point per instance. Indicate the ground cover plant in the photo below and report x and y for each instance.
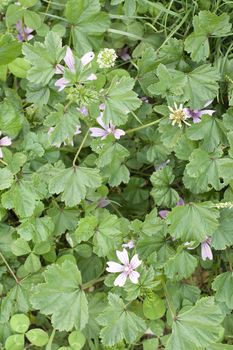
(116, 174)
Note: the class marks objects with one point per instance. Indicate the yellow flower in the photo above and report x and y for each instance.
(178, 115)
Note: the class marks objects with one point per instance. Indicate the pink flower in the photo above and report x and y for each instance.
(24, 33)
(206, 252)
(92, 77)
(70, 62)
(83, 110)
(87, 58)
(103, 202)
(5, 141)
(127, 269)
(129, 245)
(196, 114)
(163, 213)
(107, 130)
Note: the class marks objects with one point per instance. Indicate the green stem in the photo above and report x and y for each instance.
(9, 268)
(144, 126)
(2, 161)
(169, 302)
(49, 345)
(80, 147)
(92, 282)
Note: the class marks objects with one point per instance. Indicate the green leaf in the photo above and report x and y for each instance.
(43, 58)
(19, 323)
(203, 172)
(20, 247)
(28, 3)
(76, 340)
(193, 221)
(21, 197)
(150, 344)
(180, 266)
(223, 285)
(37, 337)
(36, 229)
(64, 122)
(222, 237)
(201, 85)
(184, 147)
(162, 192)
(196, 328)
(9, 49)
(10, 119)
(120, 100)
(32, 263)
(119, 323)
(6, 178)
(86, 228)
(211, 130)
(32, 19)
(73, 184)
(63, 219)
(206, 24)
(61, 296)
(153, 307)
(15, 342)
(88, 22)
(19, 67)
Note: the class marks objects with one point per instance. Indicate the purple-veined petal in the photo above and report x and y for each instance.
(114, 267)
(87, 58)
(207, 111)
(135, 262)
(206, 252)
(103, 202)
(61, 83)
(30, 37)
(180, 202)
(163, 213)
(102, 106)
(129, 245)
(98, 132)
(1, 155)
(196, 119)
(69, 59)
(134, 276)
(78, 130)
(59, 69)
(92, 77)
(83, 110)
(118, 133)
(123, 256)
(101, 123)
(5, 141)
(120, 280)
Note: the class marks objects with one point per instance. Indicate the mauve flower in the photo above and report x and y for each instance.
(4, 141)
(163, 213)
(123, 53)
(107, 130)
(92, 76)
(103, 202)
(87, 58)
(83, 110)
(127, 269)
(102, 107)
(24, 33)
(129, 245)
(196, 114)
(206, 252)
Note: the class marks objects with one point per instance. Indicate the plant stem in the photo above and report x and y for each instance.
(169, 302)
(92, 282)
(49, 345)
(2, 161)
(144, 126)
(9, 268)
(80, 147)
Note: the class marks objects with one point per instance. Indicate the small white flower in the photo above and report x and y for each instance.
(178, 115)
(127, 269)
(106, 58)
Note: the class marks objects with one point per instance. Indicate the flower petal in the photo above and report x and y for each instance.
(59, 69)
(69, 59)
(1, 155)
(196, 119)
(120, 280)
(92, 77)
(135, 262)
(5, 141)
(101, 123)
(98, 132)
(61, 83)
(134, 276)
(114, 267)
(163, 213)
(123, 256)
(180, 202)
(207, 111)
(208, 103)
(87, 58)
(118, 133)
(206, 252)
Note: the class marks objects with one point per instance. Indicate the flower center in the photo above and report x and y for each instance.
(178, 116)
(128, 269)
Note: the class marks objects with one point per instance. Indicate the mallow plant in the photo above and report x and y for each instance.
(116, 175)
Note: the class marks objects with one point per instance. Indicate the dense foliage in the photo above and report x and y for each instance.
(116, 174)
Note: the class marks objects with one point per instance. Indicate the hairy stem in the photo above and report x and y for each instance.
(80, 147)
